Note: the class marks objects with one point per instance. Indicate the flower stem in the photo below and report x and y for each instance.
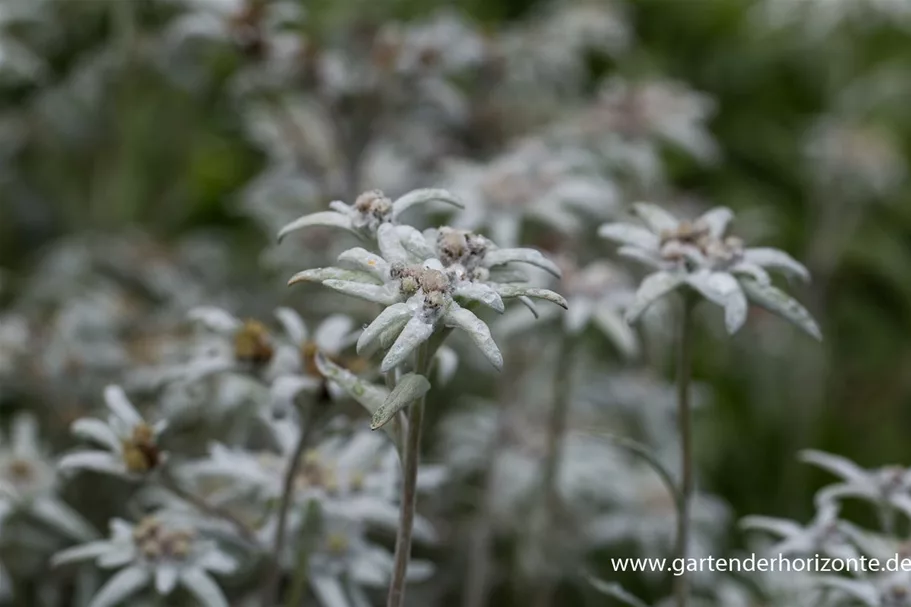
(684, 414)
(556, 432)
(273, 576)
(410, 463)
(167, 480)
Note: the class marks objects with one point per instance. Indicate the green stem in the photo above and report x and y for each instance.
(684, 414)
(273, 575)
(305, 539)
(410, 464)
(556, 433)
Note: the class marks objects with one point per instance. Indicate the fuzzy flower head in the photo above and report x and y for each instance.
(422, 294)
(701, 256)
(28, 482)
(154, 553)
(130, 443)
(369, 211)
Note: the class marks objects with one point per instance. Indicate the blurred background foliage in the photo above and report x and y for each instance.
(145, 152)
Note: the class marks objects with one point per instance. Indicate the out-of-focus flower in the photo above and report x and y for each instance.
(889, 486)
(130, 443)
(371, 210)
(28, 482)
(152, 553)
(820, 18)
(825, 534)
(699, 255)
(532, 183)
(854, 161)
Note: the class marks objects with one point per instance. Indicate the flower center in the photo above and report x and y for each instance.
(20, 471)
(140, 453)
(252, 344)
(157, 543)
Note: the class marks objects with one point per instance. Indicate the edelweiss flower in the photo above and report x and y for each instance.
(131, 443)
(825, 534)
(422, 297)
(888, 486)
(532, 183)
(371, 210)
(152, 552)
(700, 255)
(27, 482)
(597, 296)
(884, 589)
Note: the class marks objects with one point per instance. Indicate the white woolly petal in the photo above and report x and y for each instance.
(201, 585)
(117, 401)
(629, 234)
(329, 219)
(215, 319)
(294, 326)
(96, 431)
(332, 333)
(478, 331)
(389, 317)
(123, 585)
(724, 290)
(365, 261)
(776, 260)
(415, 333)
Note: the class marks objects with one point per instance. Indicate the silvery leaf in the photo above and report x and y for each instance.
(780, 527)
(499, 257)
(323, 274)
(381, 294)
(422, 196)
(836, 464)
(364, 261)
(480, 292)
(530, 304)
(415, 242)
(83, 552)
(330, 219)
(629, 234)
(394, 314)
(415, 333)
(368, 395)
(203, 587)
(777, 260)
(617, 330)
(717, 220)
(752, 270)
(534, 292)
(124, 584)
(657, 219)
(391, 247)
(653, 287)
(645, 257)
(779, 302)
(616, 591)
(478, 331)
(724, 290)
(408, 389)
